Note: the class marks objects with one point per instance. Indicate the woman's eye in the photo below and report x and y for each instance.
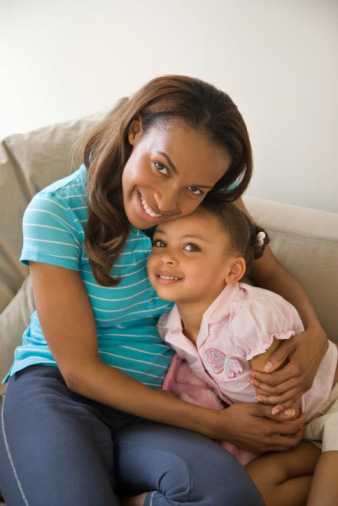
(191, 247)
(162, 169)
(157, 243)
(195, 190)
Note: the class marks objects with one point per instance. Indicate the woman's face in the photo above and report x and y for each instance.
(171, 169)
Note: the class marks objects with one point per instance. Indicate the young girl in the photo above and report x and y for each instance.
(221, 328)
(86, 380)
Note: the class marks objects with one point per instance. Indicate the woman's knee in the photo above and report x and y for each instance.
(225, 481)
(182, 468)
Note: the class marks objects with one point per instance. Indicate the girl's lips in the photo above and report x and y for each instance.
(167, 279)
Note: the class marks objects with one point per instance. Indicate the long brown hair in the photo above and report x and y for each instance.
(204, 108)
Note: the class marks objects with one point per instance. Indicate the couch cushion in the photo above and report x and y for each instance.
(13, 321)
(29, 162)
(306, 243)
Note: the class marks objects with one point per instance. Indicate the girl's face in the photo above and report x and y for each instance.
(169, 172)
(192, 259)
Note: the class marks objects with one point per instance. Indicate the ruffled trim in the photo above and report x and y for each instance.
(267, 341)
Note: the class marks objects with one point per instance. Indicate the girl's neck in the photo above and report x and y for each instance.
(191, 315)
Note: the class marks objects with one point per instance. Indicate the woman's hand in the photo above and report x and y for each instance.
(283, 385)
(251, 426)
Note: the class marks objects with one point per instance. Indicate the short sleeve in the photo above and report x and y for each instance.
(257, 323)
(50, 233)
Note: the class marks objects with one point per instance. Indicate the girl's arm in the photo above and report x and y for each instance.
(66, 317)
(305, 350)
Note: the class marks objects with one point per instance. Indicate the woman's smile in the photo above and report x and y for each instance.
(147, 210)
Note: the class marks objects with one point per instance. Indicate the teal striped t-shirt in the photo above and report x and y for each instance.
(125, 315)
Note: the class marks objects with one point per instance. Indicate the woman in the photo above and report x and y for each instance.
(84, 384)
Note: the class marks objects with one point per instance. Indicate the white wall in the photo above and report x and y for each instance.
(276, 58)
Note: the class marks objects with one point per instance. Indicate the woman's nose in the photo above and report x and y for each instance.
(167, 201)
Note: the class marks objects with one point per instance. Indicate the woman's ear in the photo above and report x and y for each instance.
(135, 131)
(236, 270)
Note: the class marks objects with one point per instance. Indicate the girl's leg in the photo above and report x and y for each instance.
(54, 449)
(284, 478)
(180, 468)
(324, 489)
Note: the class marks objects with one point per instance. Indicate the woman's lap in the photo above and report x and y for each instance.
(60, 448)
(53, 449)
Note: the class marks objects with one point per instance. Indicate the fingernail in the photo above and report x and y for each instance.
(268, 367)
(275, 410)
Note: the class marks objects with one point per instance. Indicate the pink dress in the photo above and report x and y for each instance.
(241, 323)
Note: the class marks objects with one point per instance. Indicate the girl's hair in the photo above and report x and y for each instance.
(201, 106)
(248, 239)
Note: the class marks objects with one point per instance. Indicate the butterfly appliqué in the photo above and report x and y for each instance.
(219, 362)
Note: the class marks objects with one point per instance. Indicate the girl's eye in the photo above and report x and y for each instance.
(195, 190)
(157, 243)
(191, 247)
(162, 169)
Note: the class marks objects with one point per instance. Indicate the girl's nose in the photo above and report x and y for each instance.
(168, 259)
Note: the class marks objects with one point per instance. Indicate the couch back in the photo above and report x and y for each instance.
(306, 241)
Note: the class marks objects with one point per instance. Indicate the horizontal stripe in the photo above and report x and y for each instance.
(128, 359)
(49, 241)
(101, 310)
(39, 225)
(76, 196)
(119, 299)
(58, 218)
(140, 351)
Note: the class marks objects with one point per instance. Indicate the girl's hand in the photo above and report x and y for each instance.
(283, 385)
(252, 426)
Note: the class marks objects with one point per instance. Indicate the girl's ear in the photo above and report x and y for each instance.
(236, 270)
(135, 131)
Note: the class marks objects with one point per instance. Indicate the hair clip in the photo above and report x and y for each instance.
(260, 238)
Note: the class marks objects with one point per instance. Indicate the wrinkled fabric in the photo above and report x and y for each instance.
(241, 323)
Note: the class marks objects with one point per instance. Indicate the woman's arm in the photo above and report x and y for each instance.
(66, 317)
(304, 351)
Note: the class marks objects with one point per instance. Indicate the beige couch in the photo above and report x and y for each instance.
(305, 240)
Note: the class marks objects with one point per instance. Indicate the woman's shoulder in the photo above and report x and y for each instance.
(53, 224)
(74, 184)
(64, 200)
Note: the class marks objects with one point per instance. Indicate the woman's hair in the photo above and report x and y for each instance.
(202, 107)
(247, 239)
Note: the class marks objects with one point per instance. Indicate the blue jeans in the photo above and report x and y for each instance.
(58, 448)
